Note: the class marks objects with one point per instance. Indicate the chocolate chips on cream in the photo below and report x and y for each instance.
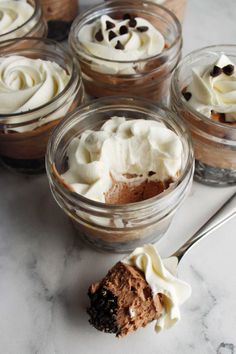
(216, 71)
(228, 69)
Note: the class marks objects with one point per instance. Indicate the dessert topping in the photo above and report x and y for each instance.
(216, 71)
(161, 277)
(119, 46)
(228, 69)
(132, 22)
(213, 88)
(123, 30)
(142, 28)
(122, 148)
(112, 35)
(99, 36)
(110, 25)
(187, 95)
(126, 17)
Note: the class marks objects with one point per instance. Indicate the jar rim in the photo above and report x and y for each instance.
(78, 198)
(141, 3)
(176, 88)
(37, 8)
(74, 71)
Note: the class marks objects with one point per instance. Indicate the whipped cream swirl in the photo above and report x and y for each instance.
(160, 276)
(122, 147)
(120, 41)
(14, 14)
(213, 88)
(26, 84)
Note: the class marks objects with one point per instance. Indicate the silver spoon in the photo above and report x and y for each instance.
(226, 212)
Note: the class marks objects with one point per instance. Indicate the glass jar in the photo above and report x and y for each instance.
(35, 26)
(148, 77)
(113, 227)
(24, 135)
(214, 142)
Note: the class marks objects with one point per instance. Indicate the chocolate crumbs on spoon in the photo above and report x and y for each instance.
(99, 36)
(119, 45)
(109, 25)
(216, 71)
(111, 35)
(228, 69)
(142, 28)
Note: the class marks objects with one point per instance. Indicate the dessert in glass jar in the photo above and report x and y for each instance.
(120, 167)
(39, 84)
(127, 48)
(19, 18)
(203, 94)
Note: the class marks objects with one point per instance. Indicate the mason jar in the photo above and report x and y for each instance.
(116, 227)
(148, 77)
(214, 142)
(24, 135)
(35, 26)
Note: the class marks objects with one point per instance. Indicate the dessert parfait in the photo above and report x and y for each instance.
(39, 84)
(19, 18)
(203, 94)
(136, 291)
(127, 48)
(120, 167)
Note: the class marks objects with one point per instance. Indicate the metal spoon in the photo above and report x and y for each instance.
(226, 212)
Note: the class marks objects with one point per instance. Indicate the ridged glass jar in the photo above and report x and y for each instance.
(35, 26)
(214, 142)
(149, 77)
(117, 228)
(24, 135)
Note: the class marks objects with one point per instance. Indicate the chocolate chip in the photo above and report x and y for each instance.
(132, 22)
(126, 17)
(228, 69)
(216, 71)
(123, 30)
(142, 28)
(119, 46)
(111, 35)
(109, 25)
(99, 36)
(151, 173)
(187, 95)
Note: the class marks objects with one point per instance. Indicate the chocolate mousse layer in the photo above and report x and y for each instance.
(133, 192)
(122, 302)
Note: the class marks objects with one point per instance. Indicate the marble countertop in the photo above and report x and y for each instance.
(45, 270)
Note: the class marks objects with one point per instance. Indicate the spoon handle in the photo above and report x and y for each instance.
(226, 212)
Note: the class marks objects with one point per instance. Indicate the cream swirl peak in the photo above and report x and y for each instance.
(213, 89)
(122, 147)
(128, 39)
(26, 83)
(14, 14)
(160, 276)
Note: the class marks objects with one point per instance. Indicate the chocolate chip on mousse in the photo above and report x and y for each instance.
(123, 30)
(216, 71)
(111, 35)
(142, 28)
(99, 36)
(132, 23)
(119, 45)
(187, 95)
(228, 69)
(109, 25)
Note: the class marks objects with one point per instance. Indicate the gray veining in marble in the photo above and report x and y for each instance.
(45, 270)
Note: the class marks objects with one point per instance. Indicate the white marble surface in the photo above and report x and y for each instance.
(45, 270)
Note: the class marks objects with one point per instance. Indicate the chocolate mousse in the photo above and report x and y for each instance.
(127, 53)
(136, 291)
(123, 302)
